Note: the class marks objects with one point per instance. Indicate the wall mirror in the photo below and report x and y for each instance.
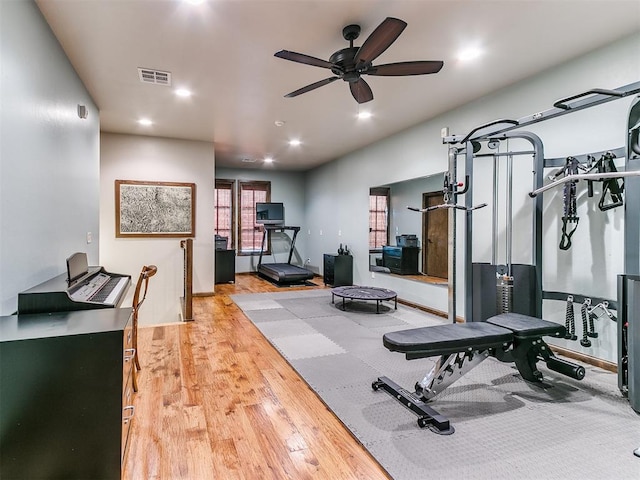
(403, 243)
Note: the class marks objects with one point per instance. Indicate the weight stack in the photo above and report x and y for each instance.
(522, 290)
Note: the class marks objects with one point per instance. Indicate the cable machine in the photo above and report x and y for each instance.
(493, 288)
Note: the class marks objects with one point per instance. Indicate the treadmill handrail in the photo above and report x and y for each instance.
(275, 228)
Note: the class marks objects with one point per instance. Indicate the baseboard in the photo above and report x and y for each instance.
(430, 310)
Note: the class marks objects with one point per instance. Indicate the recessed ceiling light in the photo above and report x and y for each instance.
(268, 160)
(279, 123)
(145, 121)
(183, 92)
(364, 115)
(295, 142)
(469, 53)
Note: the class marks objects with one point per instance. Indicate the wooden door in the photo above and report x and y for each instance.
(435, 231)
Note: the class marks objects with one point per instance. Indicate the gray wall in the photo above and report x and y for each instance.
(288, 188)
(49, 157)
(338, 192)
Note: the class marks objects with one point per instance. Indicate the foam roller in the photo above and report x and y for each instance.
(566, 368)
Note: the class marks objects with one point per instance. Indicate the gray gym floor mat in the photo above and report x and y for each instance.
(270, 315)
(312, 345)
(505, 427)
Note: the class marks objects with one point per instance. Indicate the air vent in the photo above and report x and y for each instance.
(249, 160)
(157, 77)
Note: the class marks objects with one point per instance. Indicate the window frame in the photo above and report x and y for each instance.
(379, 192)
(226, 184)
(256, 185)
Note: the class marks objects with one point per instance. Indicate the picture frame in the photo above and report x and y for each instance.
(155, 209)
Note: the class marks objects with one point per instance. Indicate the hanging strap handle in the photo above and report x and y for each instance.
(569, 323)
(585, 342)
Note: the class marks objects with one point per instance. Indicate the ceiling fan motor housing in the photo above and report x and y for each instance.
(343, 61)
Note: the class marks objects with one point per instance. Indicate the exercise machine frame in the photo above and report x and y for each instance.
(468, 146)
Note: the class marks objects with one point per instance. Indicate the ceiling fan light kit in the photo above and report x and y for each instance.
(349, 64)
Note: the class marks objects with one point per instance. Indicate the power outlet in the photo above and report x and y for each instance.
(89, 237)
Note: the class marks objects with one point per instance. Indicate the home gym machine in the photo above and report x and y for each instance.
(505, 325)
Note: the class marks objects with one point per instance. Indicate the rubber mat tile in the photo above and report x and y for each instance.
(306, 346)
(334, 371)
(270, 315)
(284, 328)
(303, 308)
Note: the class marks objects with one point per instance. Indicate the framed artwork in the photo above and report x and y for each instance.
(155, 209)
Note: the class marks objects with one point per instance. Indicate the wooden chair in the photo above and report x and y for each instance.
(146, 273)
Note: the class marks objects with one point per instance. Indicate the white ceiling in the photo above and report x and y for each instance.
(223, 50)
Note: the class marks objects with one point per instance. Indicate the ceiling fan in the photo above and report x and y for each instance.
(350, 63)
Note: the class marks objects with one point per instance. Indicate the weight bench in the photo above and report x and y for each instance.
(509, 337)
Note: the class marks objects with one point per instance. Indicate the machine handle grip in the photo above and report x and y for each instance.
(496, 122)
(562, 103)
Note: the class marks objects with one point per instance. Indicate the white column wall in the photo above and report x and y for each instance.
(132, 157)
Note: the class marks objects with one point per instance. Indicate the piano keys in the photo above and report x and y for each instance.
(97, 288)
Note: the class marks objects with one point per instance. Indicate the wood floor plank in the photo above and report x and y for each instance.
(217, 401)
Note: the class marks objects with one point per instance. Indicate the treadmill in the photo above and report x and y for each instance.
(282, 273)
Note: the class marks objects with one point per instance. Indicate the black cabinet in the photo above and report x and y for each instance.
(338, 270)
(401, 260)
(66, 394)
(225, 266)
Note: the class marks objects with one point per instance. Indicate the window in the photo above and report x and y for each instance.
(250, 233)
(378, 218)
(223, 210)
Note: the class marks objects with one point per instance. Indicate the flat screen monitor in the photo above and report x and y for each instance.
(77, 266)
(270, 213)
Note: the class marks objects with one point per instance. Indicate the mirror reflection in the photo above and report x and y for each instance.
(405, 243)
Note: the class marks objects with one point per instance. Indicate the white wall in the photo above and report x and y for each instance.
(288, 188)
(49, 157)
(131, 157)
(338, 192)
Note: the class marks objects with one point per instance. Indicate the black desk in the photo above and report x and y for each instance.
(225, 266)
(337, 270)
(66, 394)
(401, 260)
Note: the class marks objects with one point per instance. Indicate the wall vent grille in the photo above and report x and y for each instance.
(156, 77)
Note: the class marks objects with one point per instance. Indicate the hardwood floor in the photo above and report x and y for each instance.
(217, 401)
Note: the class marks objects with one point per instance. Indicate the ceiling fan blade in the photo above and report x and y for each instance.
(302, 58)
(313, 86)
(361, 91)
(382, 37)
(406, 68)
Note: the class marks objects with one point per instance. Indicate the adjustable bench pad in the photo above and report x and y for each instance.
(524, 326)
(496, 332)
(446, 339)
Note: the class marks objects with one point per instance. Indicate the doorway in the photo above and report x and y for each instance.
(435, 232)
